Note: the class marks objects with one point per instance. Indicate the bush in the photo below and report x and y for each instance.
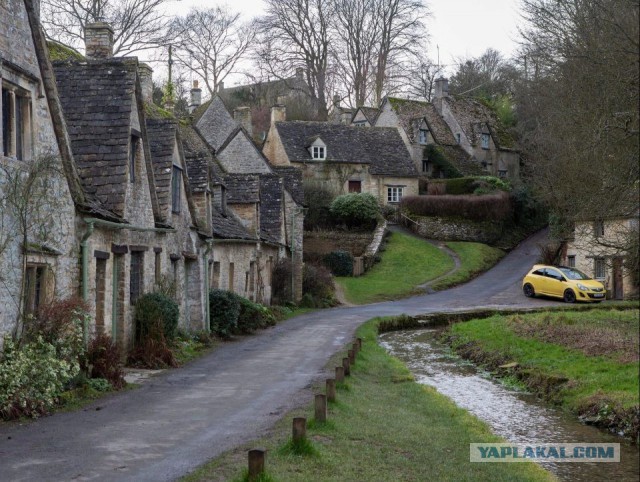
(156, 313)
(318, 199)
(224, 308)
(356, 209)
(32, 377)
(437, 157)
(253, 316)
(103, 360)
(340, 263)
(460, 185)
(317, 286)
(153, 352)
(490, 207)
(281, 282)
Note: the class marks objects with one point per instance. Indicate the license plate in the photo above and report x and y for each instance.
(598, 295)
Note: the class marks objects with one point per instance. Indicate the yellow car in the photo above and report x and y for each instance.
(561, 282)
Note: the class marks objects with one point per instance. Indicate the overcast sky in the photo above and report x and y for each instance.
(460, 28)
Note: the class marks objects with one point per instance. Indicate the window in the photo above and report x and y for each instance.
(484, 141)
(571, 261)
(319, 152)
(133, 152)
(599, 268)
(355, 186)
(176, 181)
(136, 276)
(360, 124)
(598, 228)
(231, 276)
(394, 194)
(158, 265)
(502, 173)
(101, 282)
(425, 165)
(35, 287)
(554, 274)
(215, 277)
(16, 124)
(423, 136)
(458, 138)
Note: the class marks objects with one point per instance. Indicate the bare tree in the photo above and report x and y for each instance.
(421, 77)
(211, 42)
(485, 76)
(297, 34)
(137, 24)
(402, 31)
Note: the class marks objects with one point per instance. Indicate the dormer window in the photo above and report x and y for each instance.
(360, 124)
(319, 153)
(423, 136)
(484, 141)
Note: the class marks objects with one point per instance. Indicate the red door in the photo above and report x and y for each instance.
(355, 186)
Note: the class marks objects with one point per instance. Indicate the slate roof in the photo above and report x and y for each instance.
(201, 164)
(162, 138)
(270, 207)
(97, 100)
(242, 188)
(371, 113)
(292, 177)
(473, 115)
(227, 226)
(381, 148)
(214, 122)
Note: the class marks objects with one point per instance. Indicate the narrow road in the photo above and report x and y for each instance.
(184, 417)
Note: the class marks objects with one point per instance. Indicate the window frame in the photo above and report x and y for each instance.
(394, 194)
(136, 276)
(571, 261)
(16, 121)
(176, 189)
(485, 141)
(134, 143)
(318, 153)
(598, 228)
(599, 268)
(423, 137)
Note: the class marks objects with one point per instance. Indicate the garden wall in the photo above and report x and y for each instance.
(456, 229)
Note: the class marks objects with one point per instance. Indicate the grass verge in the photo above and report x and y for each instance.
(406, 263)
(475, 258)
(383, 427)
(585, 361)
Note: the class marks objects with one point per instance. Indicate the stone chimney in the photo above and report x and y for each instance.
(299, 73)
(440, 91)
(242, 116)
(336, 100)
(278, 113)
(98, 40)
(220, 86)
(145, 74)
(196, 97)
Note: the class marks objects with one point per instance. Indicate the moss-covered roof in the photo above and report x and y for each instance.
(57, 51)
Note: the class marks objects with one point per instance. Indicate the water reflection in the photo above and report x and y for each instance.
(516, 416)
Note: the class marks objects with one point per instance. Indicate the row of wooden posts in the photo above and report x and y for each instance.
(299, 431)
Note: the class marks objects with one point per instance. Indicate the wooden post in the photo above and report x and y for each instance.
(356, 349)
(299, 429)
(321, 408)
(256, 463)
(331, 390)
(339, 374)
(346, 367)
(359, 340)
(352, 357)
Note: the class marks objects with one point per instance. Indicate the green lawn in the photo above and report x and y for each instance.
(383, 427)
(594, 352)
(475, 258)
(406, 263)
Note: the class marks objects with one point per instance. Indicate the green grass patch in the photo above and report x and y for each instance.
(406, 263)
(475, 258)
(586, 361)
(383, 427)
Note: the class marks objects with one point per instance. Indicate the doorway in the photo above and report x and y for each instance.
(618, 289)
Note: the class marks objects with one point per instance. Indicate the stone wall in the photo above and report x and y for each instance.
(319, 243)
(450, 229)
(241, 156)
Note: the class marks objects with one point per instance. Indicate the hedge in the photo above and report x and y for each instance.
(155, 311)
(489, 207)
(340, 263)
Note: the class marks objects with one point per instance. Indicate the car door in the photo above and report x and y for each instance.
(555, 282)
(539, 281)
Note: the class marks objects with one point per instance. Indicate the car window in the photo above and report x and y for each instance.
(552, 273)
(574, 274)
(539, 272)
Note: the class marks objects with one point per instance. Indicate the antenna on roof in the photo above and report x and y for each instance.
(438, 47)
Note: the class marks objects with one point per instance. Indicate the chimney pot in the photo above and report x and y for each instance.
(441, 88)
(196, 97)
(98, 40)
(278, 113)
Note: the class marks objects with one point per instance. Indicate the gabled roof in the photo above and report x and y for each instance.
(271, 208)
(371, 113)
(411, 112)
(97, 98)
(162, 141)
(227, 226)
(201, 164)
(292, 177)
(381, 148)
(242, 188)
(215, 123)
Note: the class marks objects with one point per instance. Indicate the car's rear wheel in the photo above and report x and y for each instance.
(528, 290)
(569, 296)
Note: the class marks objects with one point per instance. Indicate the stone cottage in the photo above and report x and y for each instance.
(344, 158)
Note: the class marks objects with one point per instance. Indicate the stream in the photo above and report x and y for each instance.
(514, 415)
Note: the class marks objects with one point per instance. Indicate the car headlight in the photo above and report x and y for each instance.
(582, 287)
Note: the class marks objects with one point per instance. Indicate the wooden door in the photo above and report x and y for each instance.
(355, 186)
(618, 291)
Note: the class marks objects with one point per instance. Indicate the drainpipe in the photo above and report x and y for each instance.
(206, 285)
(85, 277)
(293, 250)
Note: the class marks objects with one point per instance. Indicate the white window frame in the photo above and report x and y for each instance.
(319, 153)
(18, 136)
(484, 141)
(394, 194)
(423, 137)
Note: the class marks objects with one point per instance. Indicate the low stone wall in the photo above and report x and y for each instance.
(372, 250)
(319, 243)
(456, 229)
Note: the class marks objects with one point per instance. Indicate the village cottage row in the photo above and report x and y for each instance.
(135, 198)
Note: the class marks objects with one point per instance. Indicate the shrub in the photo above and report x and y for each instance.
(317, 282)
(460, 185)
(356, 209)
(253, 316)
(153, 352)
(437, 157)
(490, 207)
(339, 262)
(32, 377)
(224, 308)
(103, 360)
(318, 199)
(281, 282)
(156, 313)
